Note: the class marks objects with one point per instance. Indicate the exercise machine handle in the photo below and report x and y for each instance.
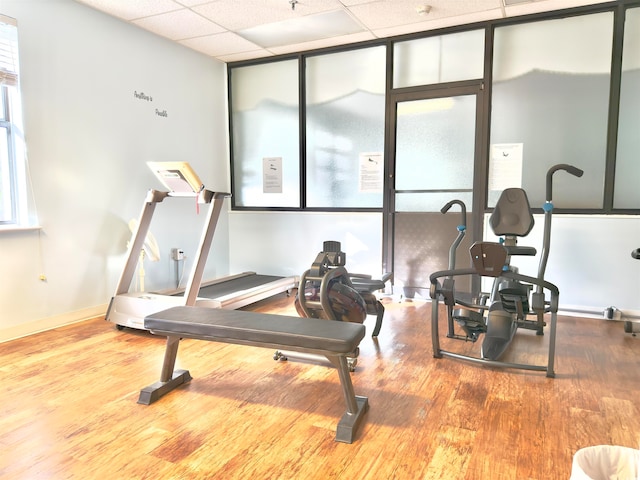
(575, 171)
(461, 230)
(463, 208)
(548, 211)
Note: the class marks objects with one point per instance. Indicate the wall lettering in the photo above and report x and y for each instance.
(148, 98)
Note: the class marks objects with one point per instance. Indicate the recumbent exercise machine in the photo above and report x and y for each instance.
(514, 297)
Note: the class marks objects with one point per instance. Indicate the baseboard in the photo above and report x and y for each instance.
(43, 324)
(598, 312)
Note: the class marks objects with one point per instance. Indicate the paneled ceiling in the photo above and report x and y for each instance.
(234, 30)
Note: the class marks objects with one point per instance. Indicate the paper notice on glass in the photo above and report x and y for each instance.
(371, 173)
(505, 166)
(272, 175)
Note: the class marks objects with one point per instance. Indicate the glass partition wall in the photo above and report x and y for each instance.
(550, 103)
(373, 126)
(627, 178)
(345, 102)
(265, 120)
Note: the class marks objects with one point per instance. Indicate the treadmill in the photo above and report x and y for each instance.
(128, 309)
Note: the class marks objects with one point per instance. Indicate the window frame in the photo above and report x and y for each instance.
(16, 215)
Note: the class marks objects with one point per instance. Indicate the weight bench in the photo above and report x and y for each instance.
(333, 339)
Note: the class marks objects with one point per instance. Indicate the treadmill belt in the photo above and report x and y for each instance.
(234, 285)
(236, 291)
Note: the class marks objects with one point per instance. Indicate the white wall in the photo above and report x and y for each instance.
(88, 138)
(589, 260)
(287, 243)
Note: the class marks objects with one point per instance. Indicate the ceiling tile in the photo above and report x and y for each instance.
(179, 25)
(547, 5)
(238, 57)
(434, 24)
(220, 44)
(129, 9)
(304, 29)
(193, 3)
(324, 43)
(349, 3)
(235, 15)
(391, 13)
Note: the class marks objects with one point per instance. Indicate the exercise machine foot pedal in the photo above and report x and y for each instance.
(470, 321)
(513, 294)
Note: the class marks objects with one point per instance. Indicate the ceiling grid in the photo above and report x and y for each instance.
(236, 30)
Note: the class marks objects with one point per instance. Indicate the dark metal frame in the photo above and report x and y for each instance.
(439, 291)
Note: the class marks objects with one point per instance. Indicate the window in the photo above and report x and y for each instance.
(439, 59)
(551, 83)
(343, 125)
(13, 202)
(345, 104)
(627, 193)
(265, 132)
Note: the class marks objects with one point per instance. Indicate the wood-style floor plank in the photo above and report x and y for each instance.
(68, 406)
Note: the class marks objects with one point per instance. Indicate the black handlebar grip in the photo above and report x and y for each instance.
(463, 207)
(575, 171)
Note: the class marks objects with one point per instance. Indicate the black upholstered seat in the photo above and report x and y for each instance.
(258, 328)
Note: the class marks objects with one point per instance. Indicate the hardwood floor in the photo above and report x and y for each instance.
(68, 406)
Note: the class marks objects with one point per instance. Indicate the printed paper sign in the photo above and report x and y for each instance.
(505, 166)
(371, 173)
(272, 175)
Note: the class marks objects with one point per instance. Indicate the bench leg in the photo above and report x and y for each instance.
(379, 316)
(356, 406)
(169, 379)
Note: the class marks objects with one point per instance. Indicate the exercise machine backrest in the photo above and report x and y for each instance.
(512, 214)
(512, 218)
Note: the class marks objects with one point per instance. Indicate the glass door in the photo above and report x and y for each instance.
(434, 151)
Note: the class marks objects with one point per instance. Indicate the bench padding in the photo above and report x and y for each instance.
(257, 328)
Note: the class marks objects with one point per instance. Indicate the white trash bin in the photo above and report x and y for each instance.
(606, 462)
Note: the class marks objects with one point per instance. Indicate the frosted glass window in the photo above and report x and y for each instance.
(344, 121)
(265, 123)
(626, 192)
(551, 94)
(445, 58)
(435, 143)
(431, 202)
